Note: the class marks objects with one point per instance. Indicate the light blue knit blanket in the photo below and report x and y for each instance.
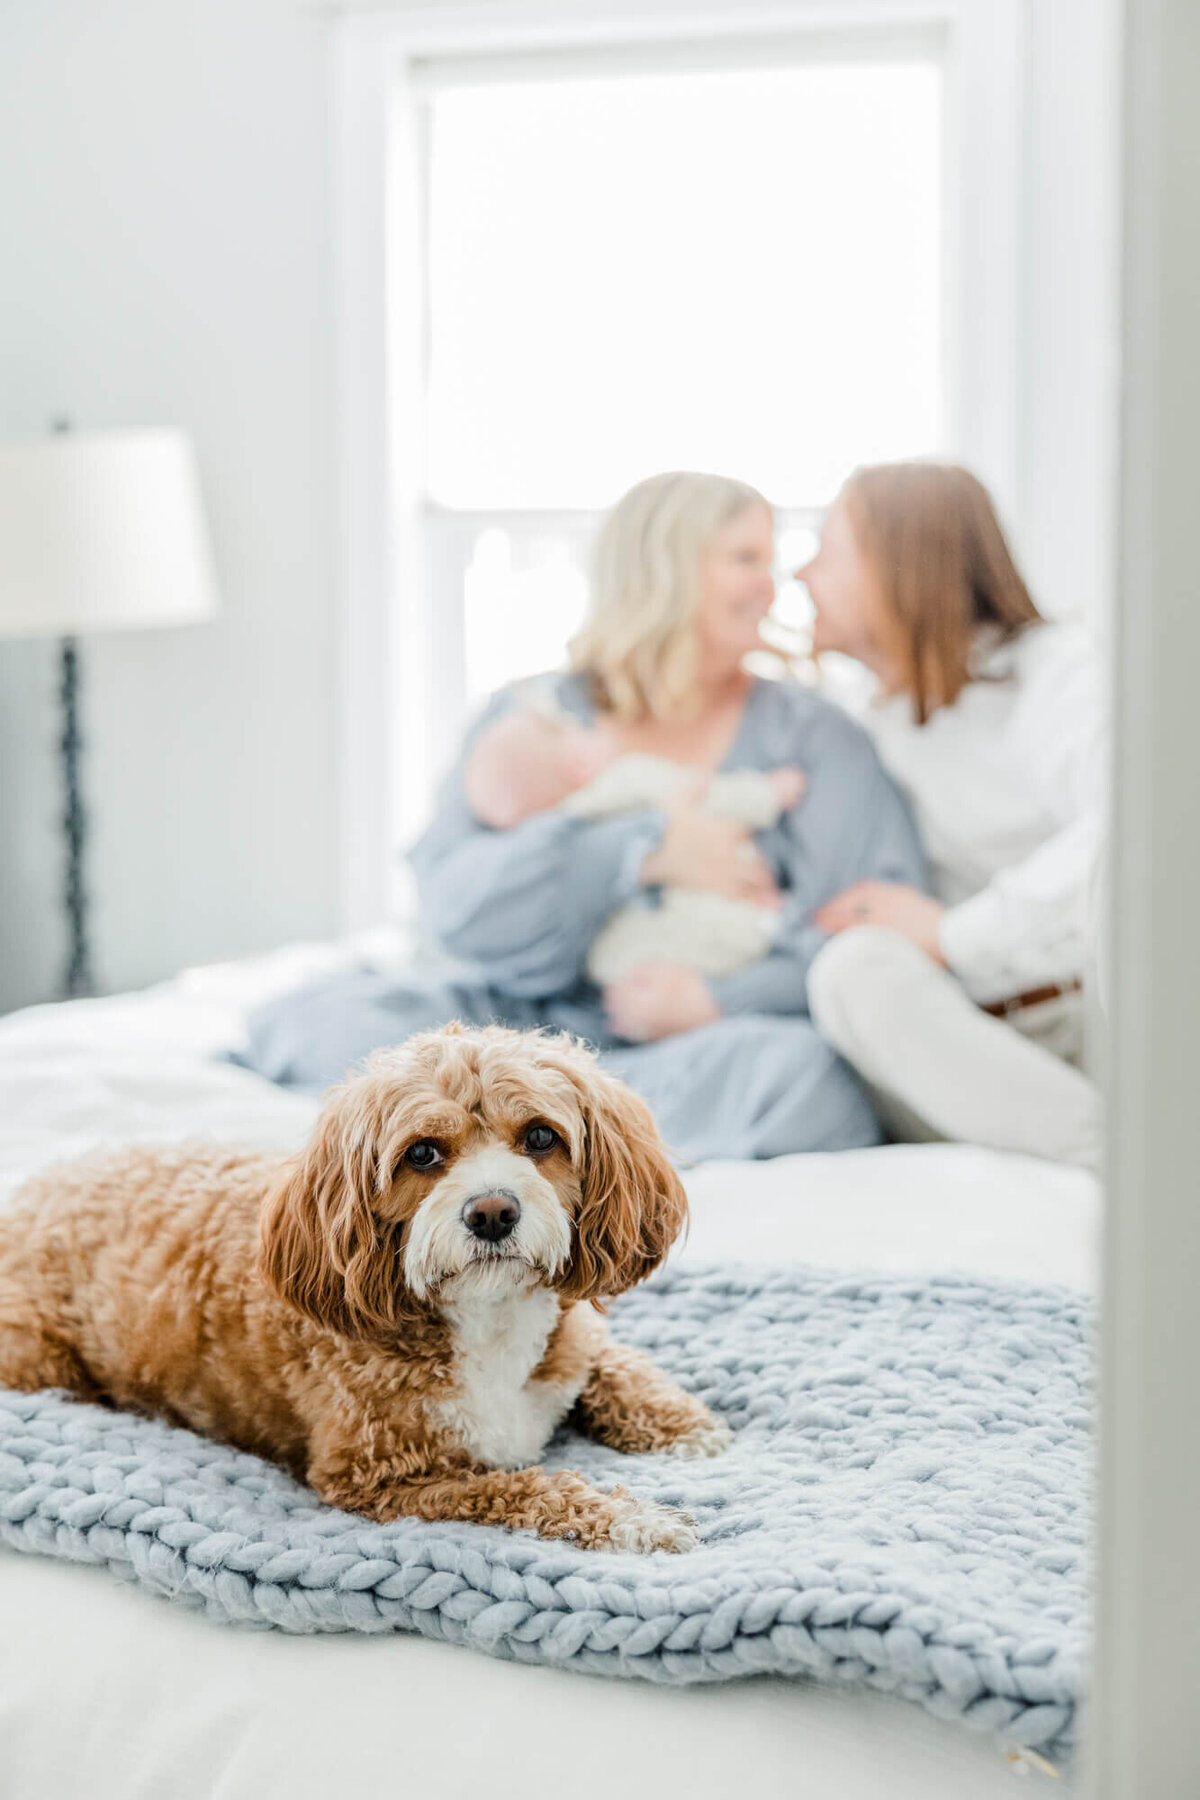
(905, 1505)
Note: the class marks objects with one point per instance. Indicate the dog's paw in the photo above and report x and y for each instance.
(642, 1526)
(710, 1438)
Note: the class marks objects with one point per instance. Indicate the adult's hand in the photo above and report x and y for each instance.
(889, 903)
(656, 1000)
(719, 855)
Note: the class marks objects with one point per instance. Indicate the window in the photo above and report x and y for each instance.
(643, 261)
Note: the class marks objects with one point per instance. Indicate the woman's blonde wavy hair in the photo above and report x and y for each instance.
(639, 643)
(943, 569)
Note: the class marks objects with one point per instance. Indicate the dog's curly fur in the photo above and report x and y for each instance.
(335, 1311)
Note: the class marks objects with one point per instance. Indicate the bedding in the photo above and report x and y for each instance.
(904, 1503)
(164, 1700)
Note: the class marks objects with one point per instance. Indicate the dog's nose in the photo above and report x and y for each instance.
(491, 1216)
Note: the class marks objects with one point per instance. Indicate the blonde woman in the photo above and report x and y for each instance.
(732, 1064)
(964, 1012)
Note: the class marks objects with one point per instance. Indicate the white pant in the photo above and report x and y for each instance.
(939, 1067)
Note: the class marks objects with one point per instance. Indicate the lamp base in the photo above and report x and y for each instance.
(78, 982)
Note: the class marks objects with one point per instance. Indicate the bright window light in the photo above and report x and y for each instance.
(730, 270)
(520, 612)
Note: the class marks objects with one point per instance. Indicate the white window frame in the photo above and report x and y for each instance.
(399, 658)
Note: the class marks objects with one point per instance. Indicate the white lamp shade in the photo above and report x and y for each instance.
(101, 531)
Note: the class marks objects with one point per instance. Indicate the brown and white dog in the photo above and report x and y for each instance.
(399, 1313)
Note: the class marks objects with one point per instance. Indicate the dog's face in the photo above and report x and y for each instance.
(469, 1160)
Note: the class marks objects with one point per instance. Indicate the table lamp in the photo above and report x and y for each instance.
(99, 531)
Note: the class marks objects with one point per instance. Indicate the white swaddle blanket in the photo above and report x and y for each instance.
(709, 932)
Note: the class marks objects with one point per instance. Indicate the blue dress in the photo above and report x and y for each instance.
(519, 909)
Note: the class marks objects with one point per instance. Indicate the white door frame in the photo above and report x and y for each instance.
(385, 635)
(1144, 1741)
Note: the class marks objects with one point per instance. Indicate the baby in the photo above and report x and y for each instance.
(538, 757)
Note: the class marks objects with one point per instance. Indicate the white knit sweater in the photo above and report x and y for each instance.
(1008, 788)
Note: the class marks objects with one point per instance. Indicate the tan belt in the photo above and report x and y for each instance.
(1004, 1009)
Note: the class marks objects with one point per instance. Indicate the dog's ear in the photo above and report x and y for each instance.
(633, 1203)
(322, 1247)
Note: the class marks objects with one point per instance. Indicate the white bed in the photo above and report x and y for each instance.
(112, 1694)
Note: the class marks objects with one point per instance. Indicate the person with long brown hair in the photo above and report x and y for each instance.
(963, 1011)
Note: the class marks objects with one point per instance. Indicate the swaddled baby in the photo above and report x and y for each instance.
(539, 757)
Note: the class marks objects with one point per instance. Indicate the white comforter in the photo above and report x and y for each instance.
(109, 1693)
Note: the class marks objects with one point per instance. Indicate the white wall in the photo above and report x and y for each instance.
(164, 238)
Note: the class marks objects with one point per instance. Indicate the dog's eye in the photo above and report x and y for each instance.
(539, 1139)
(423, 1155)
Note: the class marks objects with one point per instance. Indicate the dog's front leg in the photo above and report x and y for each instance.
(630, 1404)
(554, 1503)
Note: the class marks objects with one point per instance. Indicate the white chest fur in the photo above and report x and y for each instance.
(496, 1412)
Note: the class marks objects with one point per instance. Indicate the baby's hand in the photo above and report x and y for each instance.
(789, 785)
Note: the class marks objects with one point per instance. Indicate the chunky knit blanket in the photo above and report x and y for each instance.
(905, 1505)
